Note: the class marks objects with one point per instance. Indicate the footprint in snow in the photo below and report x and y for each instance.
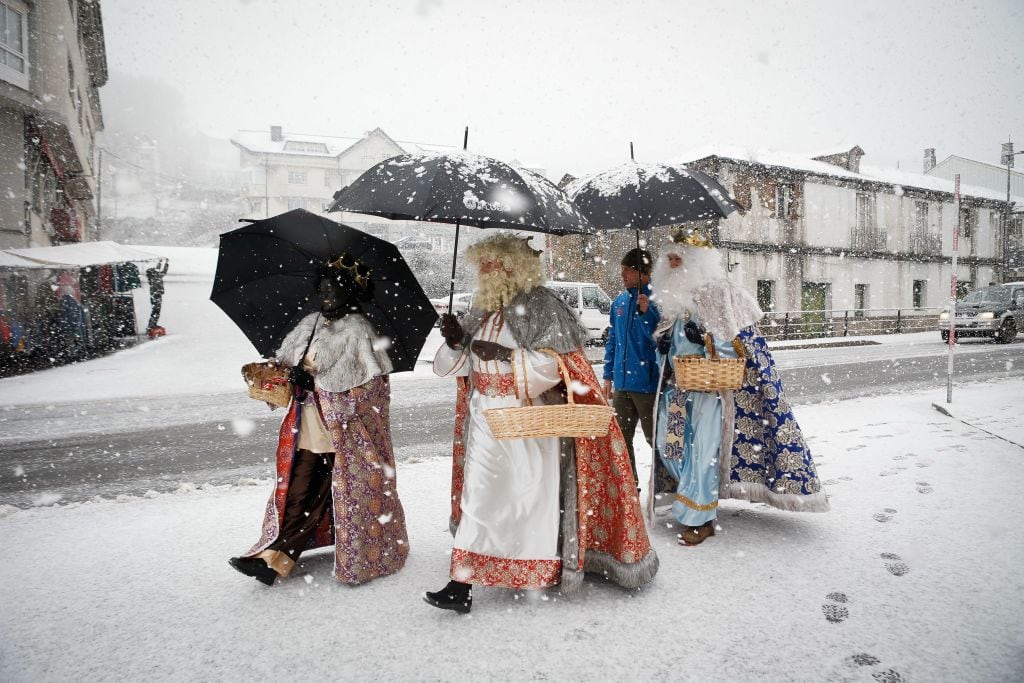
(924, 487)
(846, 478)
(857, 447)
(888, 676)
(885, 515)
(899, 457)
(894, 566)
(922, 464)
(864, 659)
(831, 482)
(835, 613)
(887, 473)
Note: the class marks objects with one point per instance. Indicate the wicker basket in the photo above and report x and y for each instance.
(268, 381)
(710, 373)
(563, 420)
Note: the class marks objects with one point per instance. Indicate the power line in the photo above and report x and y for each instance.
(157, 174)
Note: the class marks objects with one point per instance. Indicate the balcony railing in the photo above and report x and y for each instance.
(848, 322)
(925, 243)
(868, 239)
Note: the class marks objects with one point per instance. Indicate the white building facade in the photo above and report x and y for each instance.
(281, 171)
(997, 179)
(827, 234)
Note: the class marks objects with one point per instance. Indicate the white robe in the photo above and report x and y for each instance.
(510, 494)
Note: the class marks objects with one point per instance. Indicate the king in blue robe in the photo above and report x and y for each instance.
(743, 443)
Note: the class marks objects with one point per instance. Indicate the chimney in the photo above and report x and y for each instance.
(929, 159)
(276, 134)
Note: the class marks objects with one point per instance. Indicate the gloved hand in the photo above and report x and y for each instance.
(451, 330)
(665, 343)
(300, 378)
(486, 350)
(693, 332)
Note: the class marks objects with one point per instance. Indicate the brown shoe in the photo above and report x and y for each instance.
(695, 535)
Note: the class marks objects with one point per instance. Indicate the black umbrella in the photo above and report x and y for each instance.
(644, 196)
(464, 189)
(461, 188)
(267, 274)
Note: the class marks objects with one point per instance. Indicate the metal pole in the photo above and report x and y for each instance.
(455, 253)
(266, 185)
(951, 340)
(99, 195)
(1004, 241)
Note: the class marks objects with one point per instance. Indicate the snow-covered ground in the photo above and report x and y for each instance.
(913, 575)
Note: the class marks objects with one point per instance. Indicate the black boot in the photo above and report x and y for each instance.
(455, 596)
(254, 567)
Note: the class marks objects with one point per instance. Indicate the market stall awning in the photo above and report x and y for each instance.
(81, 255)
(8, 260)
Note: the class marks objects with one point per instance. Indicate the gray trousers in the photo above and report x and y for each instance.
(629, 407)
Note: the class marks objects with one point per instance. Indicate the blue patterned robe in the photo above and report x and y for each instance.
(734, 444)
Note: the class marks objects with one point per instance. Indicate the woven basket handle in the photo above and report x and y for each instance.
(709, 345)
(564, 371)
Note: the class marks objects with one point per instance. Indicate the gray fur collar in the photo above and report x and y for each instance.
(345, 357)
(537, 319)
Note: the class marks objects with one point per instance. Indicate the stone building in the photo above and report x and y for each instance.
(52, 65)
(828, 233)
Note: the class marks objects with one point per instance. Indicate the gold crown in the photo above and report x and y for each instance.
(356, 270)
(692, 238)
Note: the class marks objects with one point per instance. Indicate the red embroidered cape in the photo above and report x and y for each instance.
(608, 508)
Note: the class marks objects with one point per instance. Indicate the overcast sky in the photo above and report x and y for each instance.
(566, 85)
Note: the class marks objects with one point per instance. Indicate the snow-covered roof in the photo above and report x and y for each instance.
(802, 162)
(82, 254)
(331, 145)
(835, 150)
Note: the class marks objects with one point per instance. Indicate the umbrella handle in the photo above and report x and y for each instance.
(455, 259)
(455, 253)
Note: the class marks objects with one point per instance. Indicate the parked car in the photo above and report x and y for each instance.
(590, 302)
(461, 304)
(411, 242)
(996, 311)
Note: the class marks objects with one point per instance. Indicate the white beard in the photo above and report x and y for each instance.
(673, 288)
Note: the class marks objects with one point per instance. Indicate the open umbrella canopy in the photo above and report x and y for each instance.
(267, 275)
(464, 188)
(643, 196)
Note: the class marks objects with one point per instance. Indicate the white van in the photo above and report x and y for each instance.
(590, 302)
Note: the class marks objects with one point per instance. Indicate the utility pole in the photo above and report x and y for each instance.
(99, 195)
(1004, 241)
(951, 340)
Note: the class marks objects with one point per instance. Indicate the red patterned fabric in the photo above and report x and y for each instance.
(608, 508)
(495, 384)
(488, 570)
(459, 445)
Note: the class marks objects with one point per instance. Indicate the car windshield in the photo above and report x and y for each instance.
(989, 295)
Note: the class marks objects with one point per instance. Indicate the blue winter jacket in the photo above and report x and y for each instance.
(629, 355)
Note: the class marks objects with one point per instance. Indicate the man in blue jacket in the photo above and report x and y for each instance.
(630, 366)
